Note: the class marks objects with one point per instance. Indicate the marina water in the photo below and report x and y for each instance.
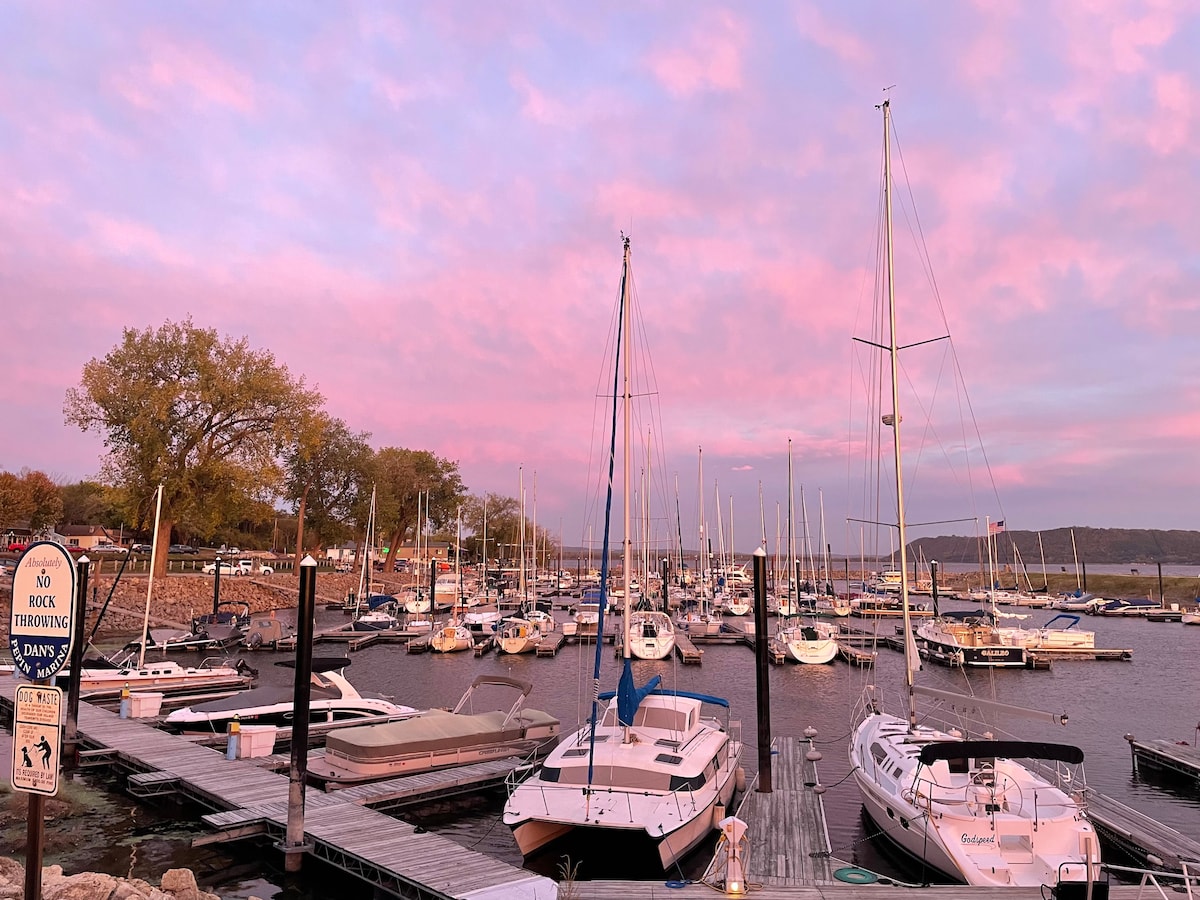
(1151, 696)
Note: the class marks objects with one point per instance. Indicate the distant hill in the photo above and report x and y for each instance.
(1094, 545)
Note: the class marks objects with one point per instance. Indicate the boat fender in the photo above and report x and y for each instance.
(677, 884)
(739, 779)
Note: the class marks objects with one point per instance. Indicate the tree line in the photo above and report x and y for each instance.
(234, 437)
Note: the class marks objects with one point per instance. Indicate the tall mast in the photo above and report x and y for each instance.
(793, 588)
(150, 581)
(626, 400)
(894, 418)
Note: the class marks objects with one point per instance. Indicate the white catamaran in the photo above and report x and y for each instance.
(648, 767)
(967, 808)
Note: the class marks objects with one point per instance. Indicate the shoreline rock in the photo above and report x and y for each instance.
(175, 884)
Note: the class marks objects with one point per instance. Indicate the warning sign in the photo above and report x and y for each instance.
(37, 738)
(43, 610)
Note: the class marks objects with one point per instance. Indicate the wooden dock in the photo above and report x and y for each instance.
(550, 644)
(1157, 845)
(688, 652)
(1181, 761)
(853, 655)
(251, 800)
(787, 833)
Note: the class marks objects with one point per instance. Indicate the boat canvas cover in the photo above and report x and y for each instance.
(433, 730)
(1002, 749)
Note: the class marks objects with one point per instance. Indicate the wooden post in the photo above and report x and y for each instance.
(71, 732)
(294, 847)
(760, 659)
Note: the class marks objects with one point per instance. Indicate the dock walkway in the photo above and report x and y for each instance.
(788, 835)
(1181, 761)
(252, 800)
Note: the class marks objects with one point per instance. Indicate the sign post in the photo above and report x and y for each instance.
(40, 632)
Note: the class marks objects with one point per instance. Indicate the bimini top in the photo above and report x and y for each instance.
(1003, 749)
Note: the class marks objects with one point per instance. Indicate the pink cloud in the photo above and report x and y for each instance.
(707, 57)
(841, 42)
(173, 69)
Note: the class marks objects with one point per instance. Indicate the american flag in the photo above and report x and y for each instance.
(996, 527)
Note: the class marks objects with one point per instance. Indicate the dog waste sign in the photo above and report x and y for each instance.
(43, 610)
(37, 738)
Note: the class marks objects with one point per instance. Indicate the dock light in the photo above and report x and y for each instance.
(733, 830)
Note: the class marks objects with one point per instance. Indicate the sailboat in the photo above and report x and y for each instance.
(967, 808)
(110, 675)
(649, 766)
(810, 643)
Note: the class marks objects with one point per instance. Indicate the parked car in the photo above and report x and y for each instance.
(109, 548)
(75, 550)
(17, 547)
(141, 548)
(247, 567)
(226, 569)
(182, 548)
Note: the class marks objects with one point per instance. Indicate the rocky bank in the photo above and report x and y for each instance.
(176, 884)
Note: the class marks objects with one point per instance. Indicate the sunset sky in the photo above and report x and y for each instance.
(418, 207)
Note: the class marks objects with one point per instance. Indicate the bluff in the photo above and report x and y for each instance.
(1094, 545)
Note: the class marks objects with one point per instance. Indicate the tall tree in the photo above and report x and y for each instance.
(45, 498)
(204, 416)
(328, 479)
(93, 503)
(401, 476)
(16, 505)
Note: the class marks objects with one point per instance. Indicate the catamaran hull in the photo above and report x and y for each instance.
(533, 835)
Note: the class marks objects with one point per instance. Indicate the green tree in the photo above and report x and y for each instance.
(16, 505)
(205, 417)
(93, 503)
(401, 476)
(46, 500)
(328, 480)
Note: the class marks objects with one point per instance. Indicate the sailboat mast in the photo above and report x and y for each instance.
(791, 537)
(626, 400)
(894, 418)
(150, 580)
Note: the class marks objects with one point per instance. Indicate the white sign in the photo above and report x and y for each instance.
(37, 738)
(43, 610)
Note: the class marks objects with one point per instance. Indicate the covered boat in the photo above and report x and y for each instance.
(435, 739)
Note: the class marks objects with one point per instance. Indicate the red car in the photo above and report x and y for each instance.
(17, 547)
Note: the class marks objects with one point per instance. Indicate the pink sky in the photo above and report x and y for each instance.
(418, 207)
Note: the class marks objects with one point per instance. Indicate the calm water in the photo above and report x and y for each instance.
(1152, 696)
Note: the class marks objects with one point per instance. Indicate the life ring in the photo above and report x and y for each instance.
(855, 875)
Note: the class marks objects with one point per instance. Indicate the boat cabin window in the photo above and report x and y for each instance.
(579, 751)
(879, 753)
(959, 765)
(663, 717)
(678, 783)
(667, 742)
(669, 759)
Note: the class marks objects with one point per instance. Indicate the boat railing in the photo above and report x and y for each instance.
(1189, 876)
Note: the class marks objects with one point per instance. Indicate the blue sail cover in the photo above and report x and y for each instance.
(377, 600)
(630, 696)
